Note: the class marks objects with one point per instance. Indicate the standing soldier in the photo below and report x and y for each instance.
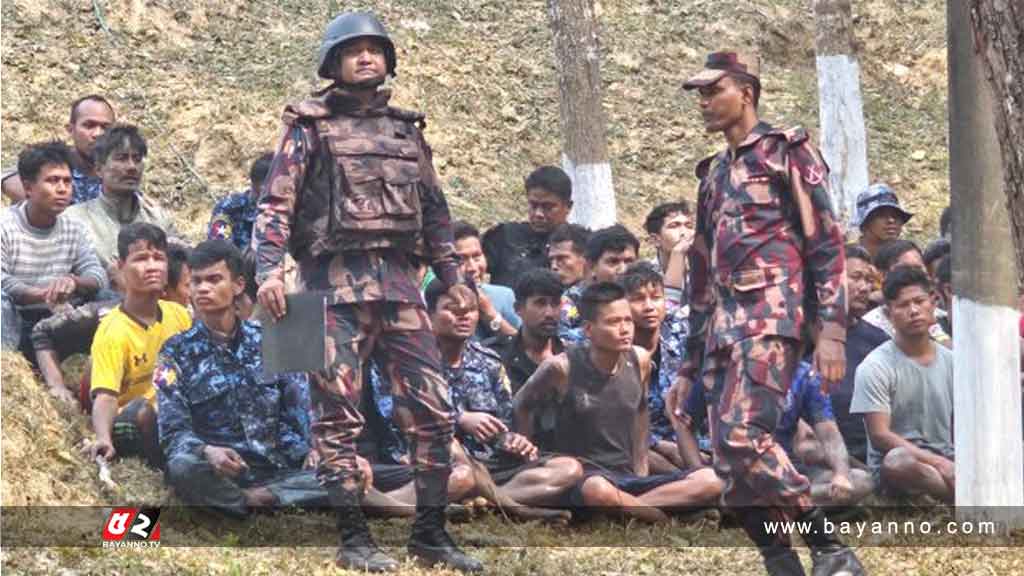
(766, 238)
(352, 193)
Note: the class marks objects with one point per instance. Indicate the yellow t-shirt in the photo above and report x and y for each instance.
(124, 351)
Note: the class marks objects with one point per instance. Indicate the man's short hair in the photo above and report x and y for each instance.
(88, 98)
(946, 222)
(117, 136)
(598, 294)
(858, 252)
(747, 80)
(177, 259)
(614, 238)
(936, 249)
(144, 231)
(891, 251)
(259, 169)
(640, 275)
(537, 282)
(432, 295)
(657, 216)
(210, 252)
(578, 235)
(553, 180)
(902, 277)
(944, 273)
(462, 229)
(34, 157)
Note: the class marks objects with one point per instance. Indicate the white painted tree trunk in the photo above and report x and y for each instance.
(593, 194)
(843, 139)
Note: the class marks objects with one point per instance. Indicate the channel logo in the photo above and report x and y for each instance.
(132, 528)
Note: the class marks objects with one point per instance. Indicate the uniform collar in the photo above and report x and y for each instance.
(759, 131)
(342, 100)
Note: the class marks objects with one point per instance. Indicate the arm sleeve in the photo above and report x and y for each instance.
(87, 265)
(175, 416)
(276, 205)
(871, 389)
(109, 358)
(503, 395)
(816, 407)
(570, 327)
(221, 225)
(12, 286)
(823, 247)
(437, 225)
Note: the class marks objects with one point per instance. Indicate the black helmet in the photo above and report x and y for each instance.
(349, 26)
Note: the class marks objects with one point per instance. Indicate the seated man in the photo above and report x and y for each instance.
(663, 335)
(80, 324)
(538, 296)
(512, 248)
(481, 399)
(861, 339)
(567, 253)
(934, 253)
(609, 251)
(497, 303)
(599, 390)
(234, 438)
(120, 161)
(904, 388)
(879, 217)
(46, 261)
(235, 215)
(902, 253)
(670, 228)
(90, 117)
(125, 349)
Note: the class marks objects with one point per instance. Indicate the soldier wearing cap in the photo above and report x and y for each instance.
(879, 217)
(766, 237)
(353, 195)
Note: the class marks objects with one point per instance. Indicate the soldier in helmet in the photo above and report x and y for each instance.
(765, 237)
(353, 195)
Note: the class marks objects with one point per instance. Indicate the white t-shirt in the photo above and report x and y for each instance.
(918, 398)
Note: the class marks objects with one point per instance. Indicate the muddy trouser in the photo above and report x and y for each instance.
(195, 481)
(747, 384)
(399, 338)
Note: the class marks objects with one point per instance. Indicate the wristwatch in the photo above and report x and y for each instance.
(495, 324)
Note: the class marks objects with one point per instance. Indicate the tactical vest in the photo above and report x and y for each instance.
(363, 183)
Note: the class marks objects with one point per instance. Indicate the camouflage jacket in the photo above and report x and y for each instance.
(352, 193)
(767, 243)
(570, 323)
(671, 349)
(216, 393)
(233, 219)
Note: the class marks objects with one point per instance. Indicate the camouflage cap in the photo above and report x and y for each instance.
(719, 64)
(878, 196)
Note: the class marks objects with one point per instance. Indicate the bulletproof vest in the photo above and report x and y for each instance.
(363, 183)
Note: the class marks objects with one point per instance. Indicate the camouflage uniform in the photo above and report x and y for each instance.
(766, 237)
(353, 195)
(84, 187)
(570, 323)
(671, 346)
(233, 218)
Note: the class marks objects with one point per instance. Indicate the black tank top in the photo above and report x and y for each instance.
(596, 419)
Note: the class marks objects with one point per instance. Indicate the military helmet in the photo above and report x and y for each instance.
(349, 26)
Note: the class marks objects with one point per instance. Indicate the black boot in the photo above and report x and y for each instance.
(830, 556)
(430, 544)
(356, 548)
(779, 558)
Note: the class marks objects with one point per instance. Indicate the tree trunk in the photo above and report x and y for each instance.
(584, 150)
(841, 109)
(999, 37)
(989, 455)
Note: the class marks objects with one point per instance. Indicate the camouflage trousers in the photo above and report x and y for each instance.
(398, 336)
(747, 384)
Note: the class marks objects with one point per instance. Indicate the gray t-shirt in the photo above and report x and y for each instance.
(918, 398)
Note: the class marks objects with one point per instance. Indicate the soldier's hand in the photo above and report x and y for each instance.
(830, 362)
(271, 298)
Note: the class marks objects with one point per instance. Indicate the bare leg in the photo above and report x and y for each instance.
(659, 463)
(670, 451)
(602, 495)
(906, 473)
(700, 488)
(460, 484)
(543, 485)
(49, 365)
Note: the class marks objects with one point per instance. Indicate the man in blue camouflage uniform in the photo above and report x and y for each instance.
(766, 243)
(353, 195)
(235, 215)
(234, 438)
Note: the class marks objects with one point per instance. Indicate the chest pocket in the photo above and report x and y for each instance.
(756, 190)
(211, 400)
(380, 180)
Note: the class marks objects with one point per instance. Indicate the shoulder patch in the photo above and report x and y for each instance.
(305, 111)
(413, 116)
(795, 135)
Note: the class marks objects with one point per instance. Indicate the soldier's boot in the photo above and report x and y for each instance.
(356, 548)
(430, 544)
(830, 556)
(779, 558)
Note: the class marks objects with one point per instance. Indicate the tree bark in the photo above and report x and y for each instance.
(987, 393)
(841, 108)
(998, 27)
(584, 125)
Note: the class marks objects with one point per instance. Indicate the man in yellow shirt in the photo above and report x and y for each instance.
(126, 345)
